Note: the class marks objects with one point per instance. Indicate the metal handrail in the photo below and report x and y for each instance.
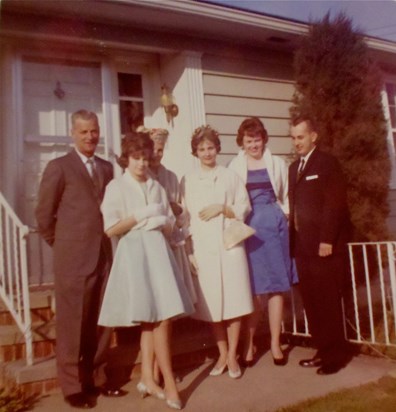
(14, 283)
(369, 305)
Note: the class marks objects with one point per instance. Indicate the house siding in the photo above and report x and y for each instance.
(235, 90)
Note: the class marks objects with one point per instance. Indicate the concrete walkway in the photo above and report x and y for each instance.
(263, 388)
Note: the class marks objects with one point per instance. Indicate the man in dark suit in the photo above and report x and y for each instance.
(69, 219)
(319, 223)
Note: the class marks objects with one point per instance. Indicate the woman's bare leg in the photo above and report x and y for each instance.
(233, 331)
(252, 321)
(220, 334)
(163, 355)
(275, 314)
(147, 354)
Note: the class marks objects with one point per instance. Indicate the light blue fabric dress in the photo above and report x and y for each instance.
(270, 266)
(144, 283)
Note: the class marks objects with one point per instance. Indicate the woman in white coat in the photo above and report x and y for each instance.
(212, 196)
(272, 271)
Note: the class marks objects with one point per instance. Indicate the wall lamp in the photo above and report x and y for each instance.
(167, 102)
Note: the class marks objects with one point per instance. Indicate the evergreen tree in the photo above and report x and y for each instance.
(339, 86)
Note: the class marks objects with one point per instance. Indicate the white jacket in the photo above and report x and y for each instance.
(277, 171)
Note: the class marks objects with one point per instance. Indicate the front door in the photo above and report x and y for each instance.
(51, 92)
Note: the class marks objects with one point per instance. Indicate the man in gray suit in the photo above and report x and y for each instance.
(69, 219)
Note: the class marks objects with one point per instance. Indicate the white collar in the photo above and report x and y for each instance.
(83, 157)
(307, 156)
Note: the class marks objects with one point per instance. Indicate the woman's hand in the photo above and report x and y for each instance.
(193, 264)
(211, 211)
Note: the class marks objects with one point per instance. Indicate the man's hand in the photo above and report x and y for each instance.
(325, 249)
(211, 211)
(176, 208)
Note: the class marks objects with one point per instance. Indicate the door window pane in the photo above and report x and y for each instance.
(131, 115)
(131, 106)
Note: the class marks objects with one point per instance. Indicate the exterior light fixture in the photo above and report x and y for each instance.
(171, 109)
(59, 92)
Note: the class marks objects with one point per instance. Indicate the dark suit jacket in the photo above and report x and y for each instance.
(68, 213)
(318, 200)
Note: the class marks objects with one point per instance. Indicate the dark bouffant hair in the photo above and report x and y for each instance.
(135, 144)
(251, 127)
(205, 133)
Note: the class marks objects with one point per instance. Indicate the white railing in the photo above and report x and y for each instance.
(369, 303)
(14, 288)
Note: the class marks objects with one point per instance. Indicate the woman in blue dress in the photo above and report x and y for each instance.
(272, 271)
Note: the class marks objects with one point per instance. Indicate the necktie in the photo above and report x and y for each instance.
(300, 168)
(299, 173)
(94, 175)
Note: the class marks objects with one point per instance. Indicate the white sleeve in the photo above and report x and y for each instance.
(283, 195)
(185, 217)
(112, 205)
(241, 203)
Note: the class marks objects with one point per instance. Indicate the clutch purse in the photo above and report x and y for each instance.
(235, 233)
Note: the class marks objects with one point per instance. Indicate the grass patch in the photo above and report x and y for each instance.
(373, 397)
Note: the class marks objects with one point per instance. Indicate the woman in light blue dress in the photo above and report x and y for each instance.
(271, 269)
(144, 287)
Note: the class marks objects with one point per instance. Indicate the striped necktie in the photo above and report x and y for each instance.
(300, 168)
(94, 175)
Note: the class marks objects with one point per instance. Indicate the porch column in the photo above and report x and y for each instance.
(10, 126)
(183, 75)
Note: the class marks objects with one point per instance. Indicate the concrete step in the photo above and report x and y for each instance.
(12, 344)
(41, 303)
(11, 334)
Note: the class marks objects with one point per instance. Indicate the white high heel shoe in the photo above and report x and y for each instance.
(174, 404)
(145, 391)
(217, 371)
(234, 374)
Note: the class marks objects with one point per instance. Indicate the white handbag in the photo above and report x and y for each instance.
(235, 233)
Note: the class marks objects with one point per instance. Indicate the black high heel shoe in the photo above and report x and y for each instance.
(280, 361)
(247, 363)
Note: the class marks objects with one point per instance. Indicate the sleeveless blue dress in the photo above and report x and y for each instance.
(270, 266)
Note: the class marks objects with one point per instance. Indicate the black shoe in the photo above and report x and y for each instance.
(247, 363)
(310, 363)
(329, 369)
(80, 400)
(280, 361)
(113, 392)
(92, 391)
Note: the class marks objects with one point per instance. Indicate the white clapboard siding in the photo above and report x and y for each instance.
(229, 99)
(247, 106)
(229, 124)
(236, 86)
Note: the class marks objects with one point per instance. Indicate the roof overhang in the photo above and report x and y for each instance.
(185, 17)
